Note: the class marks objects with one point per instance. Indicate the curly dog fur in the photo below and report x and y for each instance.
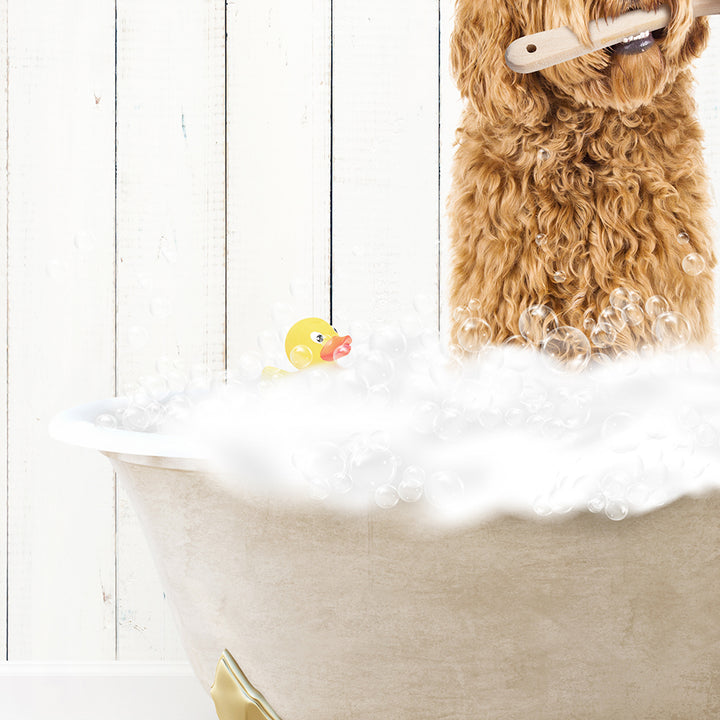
(580, 178)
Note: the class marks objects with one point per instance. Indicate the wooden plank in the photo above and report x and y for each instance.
(170, 242)
(60, 325)
(450, 110)
(278, 164)
(3, 324)
(385, 159)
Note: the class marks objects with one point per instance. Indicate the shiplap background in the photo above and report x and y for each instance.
(167, 169)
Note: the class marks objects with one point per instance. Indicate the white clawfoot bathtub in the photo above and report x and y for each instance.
(387, 615)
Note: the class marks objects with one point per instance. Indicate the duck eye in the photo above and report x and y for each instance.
(317, 337)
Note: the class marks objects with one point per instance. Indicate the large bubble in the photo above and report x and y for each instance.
(536, 322)
(569, 346)
(672, 331)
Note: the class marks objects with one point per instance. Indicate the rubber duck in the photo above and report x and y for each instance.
(312, 341)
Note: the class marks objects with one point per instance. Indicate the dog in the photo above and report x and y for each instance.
(579, 180)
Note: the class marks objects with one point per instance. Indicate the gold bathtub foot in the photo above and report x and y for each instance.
(235, 698)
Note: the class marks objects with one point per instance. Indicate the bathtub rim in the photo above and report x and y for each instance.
(76, 426)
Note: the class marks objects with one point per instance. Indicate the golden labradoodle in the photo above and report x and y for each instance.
(576, 180)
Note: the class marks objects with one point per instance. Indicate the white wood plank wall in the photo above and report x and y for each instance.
(60, 314)
(168, 171)
(170, 243)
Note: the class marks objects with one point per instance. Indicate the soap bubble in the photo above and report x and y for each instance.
(460, 314)
(542, 506)
(637, 495)
(672, 330)
(388, 340)
(514, 417)
(706, 435)
(178, 406)
(614, 317)
(628, 361)
(448, 423)
(655, 306)
(270, 344)
(689, 417)
(693, 264)
(559, 277)
(301, 356)
(541, 239)
(533, 396)
(552, 430)
(161, 308)
(620, 431)
(155, 386)
(136, 418)
(603, 335)
(490, 418)
(374, 368)
(456, 353)
(474, 334)
(373, 465)
(342, 483)
(683, 238)
(156, 412)
(106, 421)
(386, 497)
(633, 314)
(319, 488)
(572, 410)
(317, 380)
(596, 504)
(569, 346)
(475, 308)
(621, 297)
(445, 490)
(536, 322)
(324, 461)
(412, 483)
(543, 154)
(249, 367)
(424, 416)
(616, 509)
(200, 379)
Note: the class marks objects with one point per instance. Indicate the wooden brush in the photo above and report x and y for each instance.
(544, 49)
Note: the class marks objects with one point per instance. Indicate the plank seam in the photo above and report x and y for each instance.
(439, 161)
(332, 148)
(7, 330)
(115, 348)
(226, 170)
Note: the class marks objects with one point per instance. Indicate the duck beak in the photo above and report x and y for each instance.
(336, 347)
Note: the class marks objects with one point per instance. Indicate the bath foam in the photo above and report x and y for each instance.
(275, 535)
(506, 432)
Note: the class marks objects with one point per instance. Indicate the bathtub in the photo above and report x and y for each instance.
(388, 615)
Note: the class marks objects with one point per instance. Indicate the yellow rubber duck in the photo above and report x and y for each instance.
(311, 341)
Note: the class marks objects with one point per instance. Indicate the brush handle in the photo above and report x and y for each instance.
(544, 49)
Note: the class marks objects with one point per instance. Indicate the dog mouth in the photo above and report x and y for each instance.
(636, 44)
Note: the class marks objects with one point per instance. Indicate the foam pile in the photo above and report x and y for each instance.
(509, 430)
